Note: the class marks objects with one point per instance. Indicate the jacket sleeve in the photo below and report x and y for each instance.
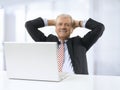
(96, 30)
(32, 28)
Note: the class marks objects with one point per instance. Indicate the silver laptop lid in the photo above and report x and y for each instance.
(35, 61)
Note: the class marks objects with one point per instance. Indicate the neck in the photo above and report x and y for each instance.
(63, 39)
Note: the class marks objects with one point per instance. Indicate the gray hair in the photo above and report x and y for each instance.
(65, 16)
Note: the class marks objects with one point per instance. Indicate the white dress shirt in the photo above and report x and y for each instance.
(67, 65)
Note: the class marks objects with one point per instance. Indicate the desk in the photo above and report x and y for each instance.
(72, 82)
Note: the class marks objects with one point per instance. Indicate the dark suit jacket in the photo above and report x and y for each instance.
(77, 46)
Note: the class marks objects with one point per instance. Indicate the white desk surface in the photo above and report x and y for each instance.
(72, 82)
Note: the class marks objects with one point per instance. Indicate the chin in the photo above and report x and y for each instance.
(64, 38)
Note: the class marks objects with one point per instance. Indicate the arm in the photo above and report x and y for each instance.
(77, 23)
(96, 31)
(32, 28)
(51, 22)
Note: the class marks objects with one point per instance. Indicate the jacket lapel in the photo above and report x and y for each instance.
(70, 49)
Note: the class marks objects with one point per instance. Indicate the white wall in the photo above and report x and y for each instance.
(107, 52)
(1, 36)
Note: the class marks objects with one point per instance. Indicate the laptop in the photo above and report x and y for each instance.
(32, 61)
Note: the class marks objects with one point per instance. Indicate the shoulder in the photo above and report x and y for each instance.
(52, 37)
(76, 39)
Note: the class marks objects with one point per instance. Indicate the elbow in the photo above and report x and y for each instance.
(102, 27)
(28, 24)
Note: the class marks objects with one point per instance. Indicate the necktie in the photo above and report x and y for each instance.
(60, 56)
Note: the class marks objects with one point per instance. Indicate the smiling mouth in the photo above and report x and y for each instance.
(63, 31)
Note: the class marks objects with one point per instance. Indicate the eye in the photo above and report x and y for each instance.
(59, 24)
(67, 24)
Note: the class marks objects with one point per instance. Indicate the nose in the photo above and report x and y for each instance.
(63, 26)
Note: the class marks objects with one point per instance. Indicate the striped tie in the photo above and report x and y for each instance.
(60, 56)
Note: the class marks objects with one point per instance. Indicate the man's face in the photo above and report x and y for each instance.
(63, 27)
